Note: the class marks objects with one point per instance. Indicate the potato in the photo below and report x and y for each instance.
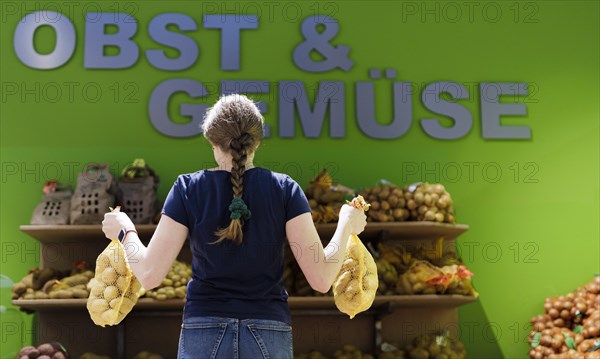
(41, 295)
(59, 355)
(109, 276)
(98, 289)
(180, 292)
(110, 315)
(44, 357)
(114, 303)
(419, 353)
(170, 293)
(102, 263)
(111, 292)
(370, 282)
(121, 267)
(61, 294)
(122, 283)
(29, 351)
(99, 306)
(126, 305)
(79, 293)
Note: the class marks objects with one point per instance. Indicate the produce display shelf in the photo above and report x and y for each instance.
(77, 232)
(295, 303)
(401, 230)
(396, 230)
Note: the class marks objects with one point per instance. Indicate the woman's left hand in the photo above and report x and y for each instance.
(113, 223)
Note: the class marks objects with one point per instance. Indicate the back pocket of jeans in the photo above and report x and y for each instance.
(274, 341)
(201, 340)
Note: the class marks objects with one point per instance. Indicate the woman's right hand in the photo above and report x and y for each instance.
(352, 218)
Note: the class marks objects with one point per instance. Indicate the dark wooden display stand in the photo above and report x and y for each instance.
(317, 324)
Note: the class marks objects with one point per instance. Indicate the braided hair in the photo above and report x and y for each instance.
(235, 124)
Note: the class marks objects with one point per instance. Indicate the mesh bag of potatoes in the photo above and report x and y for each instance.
(355, 286)
(114, 290)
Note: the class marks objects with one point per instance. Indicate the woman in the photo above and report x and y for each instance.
(237, 217)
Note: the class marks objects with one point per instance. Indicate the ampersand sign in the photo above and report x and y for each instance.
(335, 56)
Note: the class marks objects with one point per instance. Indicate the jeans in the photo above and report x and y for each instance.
(229, 338)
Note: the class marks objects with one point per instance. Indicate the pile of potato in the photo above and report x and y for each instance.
(429, 346)
(49, 283)
(570, 326)
(348, 351)
(90, 355)
(388, 276)
(420, 271)
(387, 203)
(325, 199)
(147, 355)
(114, 290)
(53, 350)
(429, 202)
(174, 285)
(422, 202)
(141, 355)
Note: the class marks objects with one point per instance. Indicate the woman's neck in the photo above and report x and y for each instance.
(226, 163)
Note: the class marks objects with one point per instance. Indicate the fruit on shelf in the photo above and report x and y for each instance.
(387, 203)
(419, 279)
(570, 325)
(52, 350)
(435, 347)
(50, 283)
(90, 355)
(174, 284)
(388, 276)
(325, 198)
(429, 202)
(348, 351)
(147, 355)
(391, 351)
(314, 354)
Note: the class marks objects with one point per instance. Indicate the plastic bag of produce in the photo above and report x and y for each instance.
(457, 280)
(114, 290)
(326, 198)
(94, 193)
(138, 184)
(421, 277)
(55, 208)
(355, 287)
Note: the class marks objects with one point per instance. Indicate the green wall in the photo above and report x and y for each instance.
(534, 231)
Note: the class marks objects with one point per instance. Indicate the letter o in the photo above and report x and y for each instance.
(24, 36)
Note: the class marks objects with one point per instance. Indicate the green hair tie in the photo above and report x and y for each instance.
(238, 209)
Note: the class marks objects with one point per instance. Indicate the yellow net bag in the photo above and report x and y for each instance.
(114, 290)
(355, 286)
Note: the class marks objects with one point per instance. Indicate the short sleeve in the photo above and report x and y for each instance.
(175, 203)
(296, 203)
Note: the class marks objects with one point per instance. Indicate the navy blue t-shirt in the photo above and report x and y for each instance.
(229, 280)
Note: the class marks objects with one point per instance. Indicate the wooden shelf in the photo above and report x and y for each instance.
(77, 232)
(295, 303)
(70, 304)
(402, 230)
(396, 230)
